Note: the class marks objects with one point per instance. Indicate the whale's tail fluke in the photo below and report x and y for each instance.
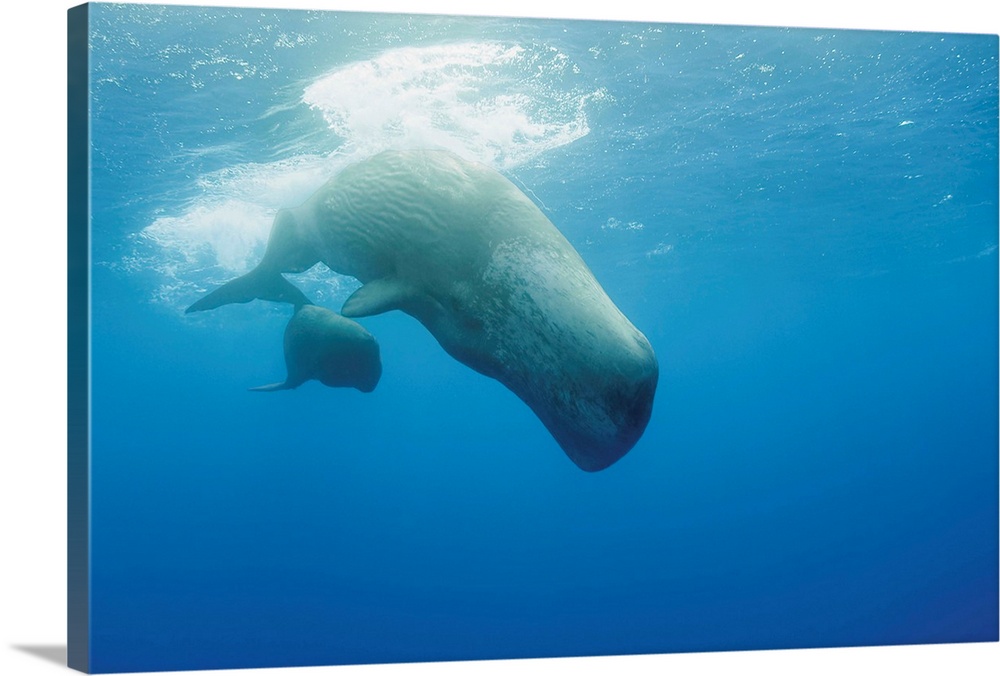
(258, 283)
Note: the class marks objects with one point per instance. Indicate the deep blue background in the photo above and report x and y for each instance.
(804, 225)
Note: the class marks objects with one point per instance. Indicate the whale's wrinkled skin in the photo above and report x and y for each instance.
(322, 345)
(460, 248)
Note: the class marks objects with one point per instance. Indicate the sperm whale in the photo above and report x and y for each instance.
(459, 247)
(322, 345)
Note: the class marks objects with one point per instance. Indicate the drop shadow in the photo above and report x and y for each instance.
(49, 653)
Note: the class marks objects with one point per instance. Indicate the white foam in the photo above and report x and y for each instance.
(490, 102)
(271, 185)
(229, 231)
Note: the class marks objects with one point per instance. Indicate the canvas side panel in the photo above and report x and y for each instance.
(78, 340)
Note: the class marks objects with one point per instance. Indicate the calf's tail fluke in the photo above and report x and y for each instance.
(274, 387)
(258, 283)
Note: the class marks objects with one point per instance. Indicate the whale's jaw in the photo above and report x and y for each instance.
(598, 418)
(630, 406)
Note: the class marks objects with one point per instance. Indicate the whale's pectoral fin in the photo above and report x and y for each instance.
(378, 296)
(257, 283)
(274, 387)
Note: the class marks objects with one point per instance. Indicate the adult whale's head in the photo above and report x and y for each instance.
(459, 247)
(321, 345)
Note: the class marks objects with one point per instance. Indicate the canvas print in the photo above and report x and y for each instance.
(406, 338)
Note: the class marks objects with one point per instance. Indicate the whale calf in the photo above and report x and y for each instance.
(322, 345)
(460, 248)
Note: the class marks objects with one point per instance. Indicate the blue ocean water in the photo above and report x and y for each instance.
(802, 222)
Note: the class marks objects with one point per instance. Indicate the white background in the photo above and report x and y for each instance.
(33, 330)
